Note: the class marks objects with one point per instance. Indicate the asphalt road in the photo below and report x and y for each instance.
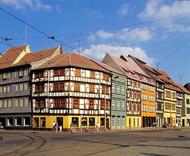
(111, 143)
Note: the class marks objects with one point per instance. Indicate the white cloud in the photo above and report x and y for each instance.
(123, 9)
(104, 35)
(125, 34)
(99, 51)
(22, 4)
(156, 9)
(58, 9)
(136, 34)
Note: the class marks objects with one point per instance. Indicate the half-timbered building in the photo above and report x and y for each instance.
(70, 88)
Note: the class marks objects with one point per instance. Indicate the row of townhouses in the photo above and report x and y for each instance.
(38, 88)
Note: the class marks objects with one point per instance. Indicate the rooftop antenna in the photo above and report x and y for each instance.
(25, 40)
(157, 65)
(78, 45)
(181, 79)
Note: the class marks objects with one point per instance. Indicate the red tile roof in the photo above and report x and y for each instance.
(10, 56)
(182, 88)
(72, 60)
(37, 56)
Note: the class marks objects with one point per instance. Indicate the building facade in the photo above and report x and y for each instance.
(71, 88)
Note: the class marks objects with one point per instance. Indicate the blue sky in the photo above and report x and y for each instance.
(156, 31)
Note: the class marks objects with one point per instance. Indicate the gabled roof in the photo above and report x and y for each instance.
(187, 86)
(11, 55)
(37, 56)
(72, 60)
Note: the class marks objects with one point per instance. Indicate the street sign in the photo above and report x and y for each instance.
(81, 116)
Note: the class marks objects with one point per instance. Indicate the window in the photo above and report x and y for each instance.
(106, 77)
(1, 104)
(167, 106)
(55, 86)
(39, 74)
(122, 105)
(21, 102)
(123, 121)
(134, 122)
(18, 121)
(173, 107)
(144, 108)
(92, 88)
(173, 95)
(58, 72)
(21, 86)
(5, 89)
(118, 121)
(103, 104)
(92, 74)
(144, 96)
(188, 110)
(143, 86)
(138, 107)
(151, 88)
(16, 102)
(25, 86)
(151, 98)
(168, 94)
(188, 101)
(84, 121)
(117, 88)
(107, 89)
(77, 72)
(77, 87)
(21, 73)
(17, 87)
(36, 122)
(1, 90)
(113, 121)
(113, 105)
(16, 73)
(5, 103)
(91, 103)
(9, 121)
(75, 103)
(113, 87)
(138, 123)
(75, 121)
(26, 101)
(118, 105)
(8, 89)
(151, 109)
(26, 121)
(39, 88)
(9, 103)
(40, 103)
(26, 72)
(1, 76)
(122, 89)
(102, 122)
(91, 121)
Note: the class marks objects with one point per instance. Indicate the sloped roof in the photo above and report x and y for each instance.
(107, 67)
(183, 88)
(72, 60)
(36, 56)
(10, 56)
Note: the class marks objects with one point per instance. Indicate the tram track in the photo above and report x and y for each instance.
(30, 147)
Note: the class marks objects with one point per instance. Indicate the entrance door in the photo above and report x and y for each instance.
(107, 123)
(130, 123)
(60, 121)
(183, 123)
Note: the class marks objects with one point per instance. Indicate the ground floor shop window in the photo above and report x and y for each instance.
(123, 121)
(113, 121)
(134, 124)
(43, 122)
(118, 121)
(18, 121)
(91, 121)
(84, 122)
(26, 121)
(75, 122)
(9, 121)
(138, 124)
(36, 122)
(102, 121)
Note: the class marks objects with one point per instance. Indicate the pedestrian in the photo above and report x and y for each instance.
(60, 128)
(72, 128)
(54, 126)
(97, 127)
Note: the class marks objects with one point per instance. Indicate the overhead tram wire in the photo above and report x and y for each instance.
(48, 36)
(178, 48)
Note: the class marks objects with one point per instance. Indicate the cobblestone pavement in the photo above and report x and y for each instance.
(146, 142)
